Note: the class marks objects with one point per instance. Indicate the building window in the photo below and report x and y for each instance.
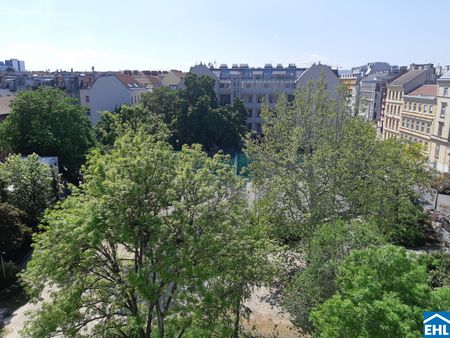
(258, 112)
(440, 128)
(428, 127)
(407, 123)
(409, 105)
(250, 112)
(403, 123)
(260, 98)
(87, 99)
(436, 151)
(431, 108)
(414, 107)
(443, 108)
(422, 127)
(225, 74)
(446, 91)
(420, 107)
(425, 108)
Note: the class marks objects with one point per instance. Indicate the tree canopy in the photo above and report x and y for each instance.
(154, 243)
(315, 162)
(326, 250)
(382, 292)
(46, 122)
(188, 116)
(14, 231)
(31, 183)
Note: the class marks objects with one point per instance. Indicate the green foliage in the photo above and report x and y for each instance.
(14, 232)
(315, 162)
(10, 271)
(438, 268)
(329, 245)
(32, 185)
(112, 125)
(162, 238)
(382, 292)
(193, 116)
(48, 123)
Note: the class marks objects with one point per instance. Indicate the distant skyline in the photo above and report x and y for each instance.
(176, 34)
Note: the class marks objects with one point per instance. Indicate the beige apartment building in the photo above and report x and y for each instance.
(440, 137)
(405, 84)
(418, 114)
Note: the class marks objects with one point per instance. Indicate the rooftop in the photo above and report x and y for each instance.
(425, 90)
(386, 76)
(129, 81)
(408, 77)
(5, 104)
(445, 76)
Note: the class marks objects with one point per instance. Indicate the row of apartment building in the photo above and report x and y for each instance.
(417, 109)
(258, 86)
(405, 102)
(98, 92)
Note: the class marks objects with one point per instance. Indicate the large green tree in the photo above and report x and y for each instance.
(14, 232)
(326, 250)
(46, 122)
(193, 115)
(382, 292)
(114, 124)
(315, 162)
(31, 185)
(155, 243)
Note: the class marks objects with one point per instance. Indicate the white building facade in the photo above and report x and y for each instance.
(110, 92)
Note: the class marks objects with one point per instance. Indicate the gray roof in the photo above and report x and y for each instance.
(379, 77)
(408, 77)
(446, 75)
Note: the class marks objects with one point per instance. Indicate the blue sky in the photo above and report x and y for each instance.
(166, 34)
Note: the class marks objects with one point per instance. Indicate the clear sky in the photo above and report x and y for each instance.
(175, 34)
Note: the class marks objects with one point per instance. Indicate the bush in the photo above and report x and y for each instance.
(438, 268)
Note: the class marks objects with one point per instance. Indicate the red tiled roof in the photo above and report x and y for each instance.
(425, 90)
(154, 81)
(129, 81)
(87, 81)
(179, 73)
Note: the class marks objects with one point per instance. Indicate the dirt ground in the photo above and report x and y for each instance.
(267, 320)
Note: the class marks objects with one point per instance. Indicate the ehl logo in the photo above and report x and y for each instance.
(436, 324)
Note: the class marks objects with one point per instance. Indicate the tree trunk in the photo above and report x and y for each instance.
(160, 321)
(237, 319)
